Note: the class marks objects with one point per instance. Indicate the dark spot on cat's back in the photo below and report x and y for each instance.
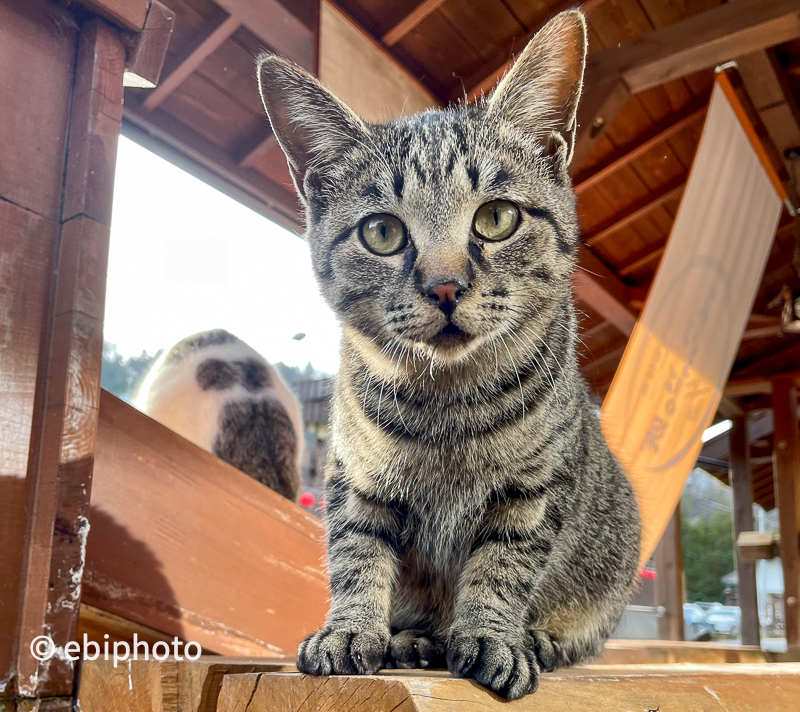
(214, 374)
(253, 375)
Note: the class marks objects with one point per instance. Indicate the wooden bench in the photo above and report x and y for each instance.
(236, 685)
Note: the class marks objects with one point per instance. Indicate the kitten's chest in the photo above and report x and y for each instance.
(441, 524)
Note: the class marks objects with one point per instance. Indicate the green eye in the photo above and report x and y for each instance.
(496, 220)
(383, 234)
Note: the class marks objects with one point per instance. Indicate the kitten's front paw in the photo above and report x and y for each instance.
(507, 668)
(342, 650)
(412, 649)
(547, 650)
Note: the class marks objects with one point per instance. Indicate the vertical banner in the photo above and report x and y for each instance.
(670, 380)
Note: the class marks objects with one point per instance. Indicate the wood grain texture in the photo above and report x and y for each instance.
(735, 688)
(669, 584)
(187, 545)
(37, 50)
(68, 380)
(163, 686)
(36, 65)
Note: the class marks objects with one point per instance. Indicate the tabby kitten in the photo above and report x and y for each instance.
(475, 514)
(216, 391)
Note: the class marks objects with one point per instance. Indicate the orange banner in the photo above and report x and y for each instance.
(670, 381)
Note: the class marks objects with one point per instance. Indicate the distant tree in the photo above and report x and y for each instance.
(707, 555)
(293, 374)
(121, 376)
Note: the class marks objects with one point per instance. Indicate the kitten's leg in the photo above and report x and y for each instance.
(416, 649)
(489, 641)
(362, 554)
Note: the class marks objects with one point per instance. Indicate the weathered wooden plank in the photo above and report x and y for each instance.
(163, 686)
(786, 465)
(735, 688)
(36, 63)
(60, 464)
(187, 545)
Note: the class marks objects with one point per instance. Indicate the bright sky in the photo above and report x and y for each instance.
(185, 258)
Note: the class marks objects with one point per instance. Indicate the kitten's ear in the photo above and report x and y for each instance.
(540, 93)
(312, 126)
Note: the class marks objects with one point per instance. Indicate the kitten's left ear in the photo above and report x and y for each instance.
(312, 126)
(540, 93)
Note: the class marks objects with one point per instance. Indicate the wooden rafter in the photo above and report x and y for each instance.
(598, 236)
(672, 52)
(206, 47)
(644, 261)
(640, 150)
(598, 285)
(410, 21)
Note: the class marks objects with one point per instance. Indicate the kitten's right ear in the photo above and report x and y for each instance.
(312, 126)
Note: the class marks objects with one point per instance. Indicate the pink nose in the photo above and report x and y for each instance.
(446, 292)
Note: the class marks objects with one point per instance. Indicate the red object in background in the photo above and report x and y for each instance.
(645, 574)
(307, 499)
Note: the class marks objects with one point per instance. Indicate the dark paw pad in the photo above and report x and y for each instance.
(335, 650)
(547, 651)
(507, 668)
(412, 649)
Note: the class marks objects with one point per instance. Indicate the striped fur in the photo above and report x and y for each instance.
(476, 517)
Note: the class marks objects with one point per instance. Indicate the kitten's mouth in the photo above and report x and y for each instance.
(451, 336)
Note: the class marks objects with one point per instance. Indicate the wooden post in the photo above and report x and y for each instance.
(669, 581)
(61, 459)
(742, 485)
(786, 465)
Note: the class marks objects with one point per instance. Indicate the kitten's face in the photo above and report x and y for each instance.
(446, 231)
(442, 188)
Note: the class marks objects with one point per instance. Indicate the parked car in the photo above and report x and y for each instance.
(726, 620)
(695, 626)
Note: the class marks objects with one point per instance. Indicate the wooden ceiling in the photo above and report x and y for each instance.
(206, 114)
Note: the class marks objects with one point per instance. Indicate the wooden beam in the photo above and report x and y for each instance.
(148, 50)
(62, 458)
(669, 583)
(602, 173)
(263, 146)
(128, 14)
(623, 221)
(641, 262)
(222, 31)
(410, 21)
(598, 286)
(274, 24)
(701, 41)
(741, 481)
(787, 486)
